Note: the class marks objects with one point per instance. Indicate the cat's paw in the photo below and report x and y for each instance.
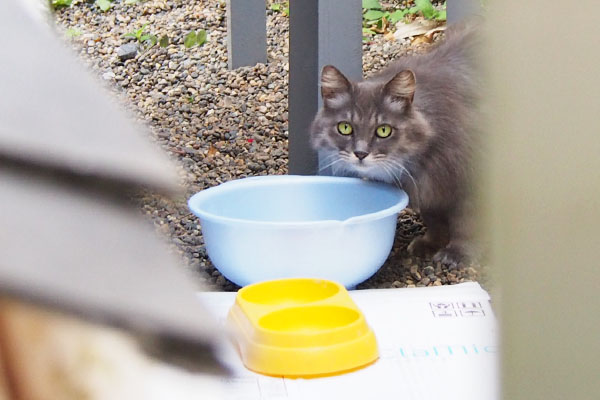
(452, 256)
(421, 247)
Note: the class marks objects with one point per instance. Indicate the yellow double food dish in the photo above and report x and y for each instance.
(300, 327)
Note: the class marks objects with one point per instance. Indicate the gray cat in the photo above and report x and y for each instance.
(413, 125)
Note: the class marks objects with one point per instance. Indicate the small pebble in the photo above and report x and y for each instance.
(127, 51)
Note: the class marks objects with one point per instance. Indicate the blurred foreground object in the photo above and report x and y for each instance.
(70, 240)
(544, 196)
(47, 356)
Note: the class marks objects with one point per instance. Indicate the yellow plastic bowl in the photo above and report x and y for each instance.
(300, 327)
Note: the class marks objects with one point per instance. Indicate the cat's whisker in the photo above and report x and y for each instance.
(405, 171)
(332, 155)
(331, 164)
(397, 177)
(389, 171)
(329, 157)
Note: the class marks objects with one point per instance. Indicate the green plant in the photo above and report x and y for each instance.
(283, 8)
(194, 38)
(54, 4)
(163, 41)
(147, 40)
(72, 32)
(377, 20)
(104, 5)
(373, 12)
(428, 10)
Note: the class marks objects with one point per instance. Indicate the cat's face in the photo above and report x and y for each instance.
(368, 129)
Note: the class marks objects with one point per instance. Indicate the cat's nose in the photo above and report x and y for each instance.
(361, 154)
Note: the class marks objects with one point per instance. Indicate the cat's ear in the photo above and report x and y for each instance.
(401, 88)
(335, 87)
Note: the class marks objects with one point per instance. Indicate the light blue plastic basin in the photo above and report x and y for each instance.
(287, 226)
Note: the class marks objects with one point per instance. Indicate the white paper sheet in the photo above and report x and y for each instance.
(435, 343)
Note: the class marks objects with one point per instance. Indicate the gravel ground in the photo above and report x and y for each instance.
(219, 124)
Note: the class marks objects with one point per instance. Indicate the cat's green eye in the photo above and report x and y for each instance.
(344, 128)
(383, 131)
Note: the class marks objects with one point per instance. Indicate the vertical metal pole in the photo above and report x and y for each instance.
(302, 98)
(246, 32)
(457, 10)
(340, 36)
(321, 32)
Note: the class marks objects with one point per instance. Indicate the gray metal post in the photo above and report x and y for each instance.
(321, 32)
(459, 9)
(246, 32)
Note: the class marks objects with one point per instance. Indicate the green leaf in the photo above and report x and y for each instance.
(189, 40)
(60, 3)
(397, 16)
(371, 4)
(413, 10)
(164, 41)
(373, 15)
(72, 32)
(284, 8)
(141, 30)
(368, 32)
(104, 5)
(152, 39)
(200, 37)
(441, 15)
(131, 35)
(426, 8)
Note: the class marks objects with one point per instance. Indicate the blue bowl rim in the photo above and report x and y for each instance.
(268, 179)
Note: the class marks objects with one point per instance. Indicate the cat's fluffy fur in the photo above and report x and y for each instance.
(431, 103)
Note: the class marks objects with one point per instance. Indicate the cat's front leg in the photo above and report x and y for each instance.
(423, 246)
(461, 248)
(454, 254)
(435, 238)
